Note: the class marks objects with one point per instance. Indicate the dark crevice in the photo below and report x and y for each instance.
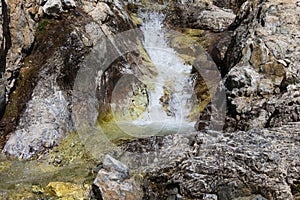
(96, 192)
(6, 36)
(268, 123)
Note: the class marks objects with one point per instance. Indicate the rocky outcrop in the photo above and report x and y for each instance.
(48, 75)
(263, 61)
(46, 119)
(258, 164)
(114, 182)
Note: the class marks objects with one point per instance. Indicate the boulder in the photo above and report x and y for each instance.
(113, 181)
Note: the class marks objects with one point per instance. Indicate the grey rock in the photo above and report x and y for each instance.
(42, 126)
(210, 197)
(216, 19)
(47, 119)
(111, 186)
(257, 164)
(2, 98)
(22, 35)
(201, 15)
(53, 7)
(111, 164)
(263, 41)
(1, 28)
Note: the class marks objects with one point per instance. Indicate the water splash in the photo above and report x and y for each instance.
(173, 87)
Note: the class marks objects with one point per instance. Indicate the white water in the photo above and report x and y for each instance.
(173, 74)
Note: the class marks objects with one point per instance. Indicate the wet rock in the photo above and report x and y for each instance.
(53, 7)
(63, 190)
(113, 186)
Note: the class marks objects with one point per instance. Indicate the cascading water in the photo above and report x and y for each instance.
(174, 81)
(169, 93)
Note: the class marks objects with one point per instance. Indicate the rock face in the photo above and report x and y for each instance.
(258, 164)
(201, 15)
(263, 56)
(39, 118)
(113, 181)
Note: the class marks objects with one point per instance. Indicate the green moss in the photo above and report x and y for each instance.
(42, 24)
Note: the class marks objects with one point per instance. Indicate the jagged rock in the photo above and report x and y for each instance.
(242, 81)
(53, 7)
(21, 36)
(113, 186)
(215, 20)
(111, 164)
(257, 164)
(42, 126)
(231, 4)
(267, 48)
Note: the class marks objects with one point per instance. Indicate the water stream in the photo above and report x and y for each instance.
(169, 97)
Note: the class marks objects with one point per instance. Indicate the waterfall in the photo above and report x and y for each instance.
(173, 83)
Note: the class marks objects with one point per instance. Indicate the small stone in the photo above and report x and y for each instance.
(112, 164)
(210, 197)
(69, 3)
(53, 7)
(298, 3)
(37, 189)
